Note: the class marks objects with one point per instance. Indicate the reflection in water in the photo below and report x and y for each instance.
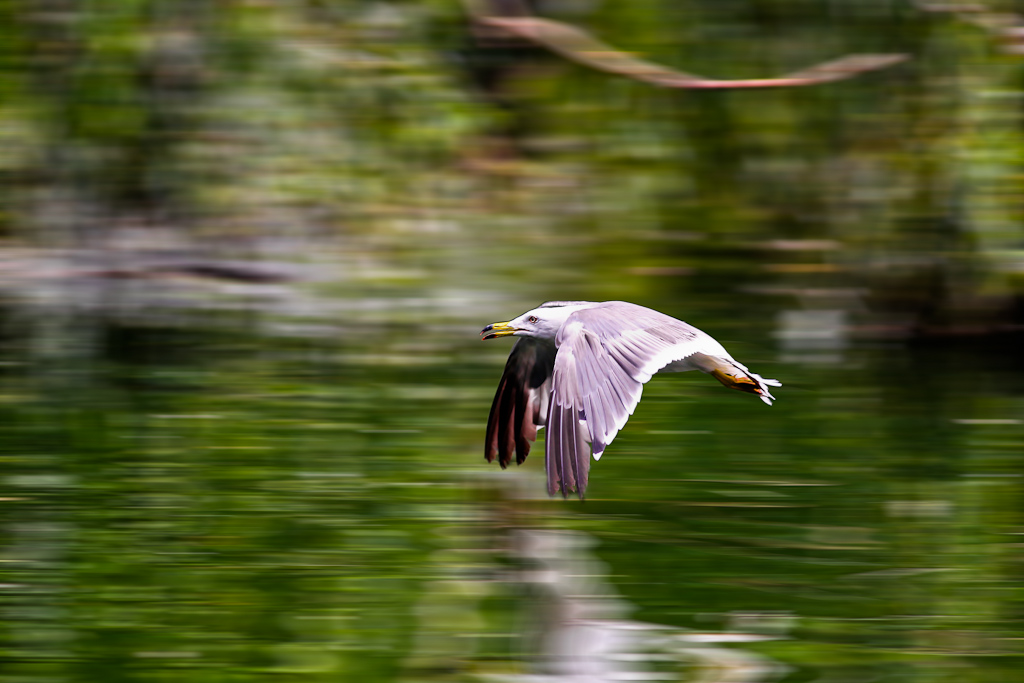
(570, 623)
(187, 496)
(583, 633)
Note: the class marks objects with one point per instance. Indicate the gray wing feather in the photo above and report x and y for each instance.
(567, 455)
(605, 355)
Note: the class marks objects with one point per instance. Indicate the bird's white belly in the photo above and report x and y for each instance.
(696, 361)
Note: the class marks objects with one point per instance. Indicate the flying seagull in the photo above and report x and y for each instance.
(579, 368)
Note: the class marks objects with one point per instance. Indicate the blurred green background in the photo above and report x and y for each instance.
(245, 251)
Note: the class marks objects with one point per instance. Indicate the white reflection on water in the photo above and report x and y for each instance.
(583, 633)
(812, 336)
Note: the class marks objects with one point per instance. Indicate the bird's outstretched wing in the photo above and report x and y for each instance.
(605, 355)
(521, 402)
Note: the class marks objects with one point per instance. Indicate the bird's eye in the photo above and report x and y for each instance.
(532, 319)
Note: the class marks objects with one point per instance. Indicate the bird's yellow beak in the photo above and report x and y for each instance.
(495, 330)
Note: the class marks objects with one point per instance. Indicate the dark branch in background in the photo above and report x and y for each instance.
(581, 47)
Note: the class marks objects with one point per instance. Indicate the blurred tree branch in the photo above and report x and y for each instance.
(513, 18)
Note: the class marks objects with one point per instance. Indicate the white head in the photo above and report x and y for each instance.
(542, 322)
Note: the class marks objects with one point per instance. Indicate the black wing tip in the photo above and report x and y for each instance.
(503, 459)
(510, 424)
(522, 444)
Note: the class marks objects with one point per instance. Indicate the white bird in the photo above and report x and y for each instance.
(579, 369)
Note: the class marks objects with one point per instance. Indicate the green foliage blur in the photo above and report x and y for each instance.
(213, 471)
(247, 119)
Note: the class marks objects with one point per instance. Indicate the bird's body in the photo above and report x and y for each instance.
(579, 368)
